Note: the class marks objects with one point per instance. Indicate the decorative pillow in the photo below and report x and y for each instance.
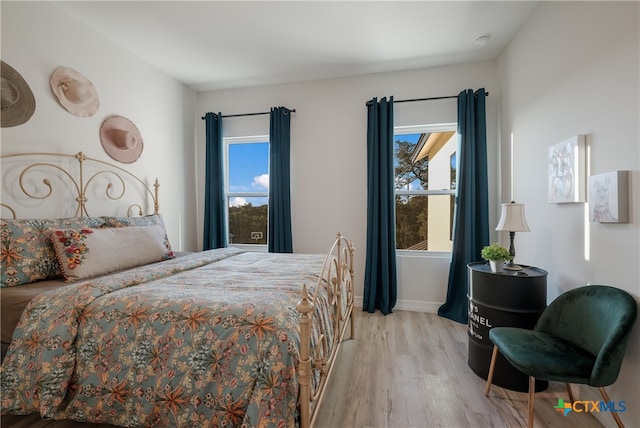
(148, 220)
(26, 251)
(84, 253)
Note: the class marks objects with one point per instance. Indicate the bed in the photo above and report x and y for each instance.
(119, 329)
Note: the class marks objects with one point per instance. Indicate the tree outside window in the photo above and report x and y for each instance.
(425, 171)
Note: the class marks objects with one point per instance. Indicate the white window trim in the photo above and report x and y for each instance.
(424, 254)
(424, 129)
(226, 142)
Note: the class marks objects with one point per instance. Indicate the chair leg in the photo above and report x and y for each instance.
(494, 355)
(614, 414)
(570, 393)
(532, 390)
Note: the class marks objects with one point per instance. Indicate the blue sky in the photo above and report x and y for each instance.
(248, 172)
(249, 166)
(412, 138)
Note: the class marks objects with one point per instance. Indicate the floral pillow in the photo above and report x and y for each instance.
(147, 220)
(86, 252)
(26, 251)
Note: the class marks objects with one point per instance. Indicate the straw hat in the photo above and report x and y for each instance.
(74, 91)
(18, 103)
(121, 139)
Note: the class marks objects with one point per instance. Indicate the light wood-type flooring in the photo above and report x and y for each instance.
(409, 369)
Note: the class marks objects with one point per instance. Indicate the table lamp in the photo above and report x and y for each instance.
(512, 220)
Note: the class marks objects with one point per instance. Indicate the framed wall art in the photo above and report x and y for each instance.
(609, 197)
(566, 171)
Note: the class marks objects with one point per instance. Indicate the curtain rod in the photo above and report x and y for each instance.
(368, 103)
(250, 114)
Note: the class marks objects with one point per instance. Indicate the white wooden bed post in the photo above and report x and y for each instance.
(305, 307)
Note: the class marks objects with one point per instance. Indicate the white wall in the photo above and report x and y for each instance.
(329, 157)
(574, 69)
(38, 37)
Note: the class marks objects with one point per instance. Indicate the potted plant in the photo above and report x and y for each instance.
(496, 254)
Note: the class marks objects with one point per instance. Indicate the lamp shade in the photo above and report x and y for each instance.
(512, 218)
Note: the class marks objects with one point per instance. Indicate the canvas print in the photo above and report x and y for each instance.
(608, 197)
(566, 171)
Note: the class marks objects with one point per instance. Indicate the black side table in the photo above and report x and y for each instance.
(506, 299)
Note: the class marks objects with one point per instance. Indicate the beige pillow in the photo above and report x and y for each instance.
(84, 253)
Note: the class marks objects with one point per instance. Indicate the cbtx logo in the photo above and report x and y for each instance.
(589, 406)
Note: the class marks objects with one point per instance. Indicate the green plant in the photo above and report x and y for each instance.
(495, 251)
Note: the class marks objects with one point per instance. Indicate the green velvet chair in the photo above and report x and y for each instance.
(580, 337)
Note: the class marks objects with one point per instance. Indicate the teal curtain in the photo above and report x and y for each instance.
(380, 286)
(214, 204)
(471, 221)
(279, 231)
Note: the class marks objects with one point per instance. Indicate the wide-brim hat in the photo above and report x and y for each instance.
(121, 139)
(18, 102)
(75, 92)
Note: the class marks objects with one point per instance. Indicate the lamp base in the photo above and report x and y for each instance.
(512, 266)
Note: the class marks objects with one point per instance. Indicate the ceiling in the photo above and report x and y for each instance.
(211, 45)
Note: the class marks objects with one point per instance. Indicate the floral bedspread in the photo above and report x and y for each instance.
(210, 339)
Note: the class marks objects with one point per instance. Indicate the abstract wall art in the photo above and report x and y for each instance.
(609, 197)
(566, 171)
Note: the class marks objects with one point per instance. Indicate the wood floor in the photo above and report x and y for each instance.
(409, 369)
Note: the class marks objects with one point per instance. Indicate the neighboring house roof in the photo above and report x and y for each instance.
(430, 144)
(422, 246)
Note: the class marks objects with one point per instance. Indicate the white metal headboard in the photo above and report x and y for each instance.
(29, 177)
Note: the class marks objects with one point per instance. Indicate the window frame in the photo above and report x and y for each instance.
(423, 129)
(226, 143)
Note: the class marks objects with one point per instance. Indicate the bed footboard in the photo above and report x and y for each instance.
(337, 279)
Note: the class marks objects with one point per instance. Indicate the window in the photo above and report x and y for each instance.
(247, 189)
(425, 164)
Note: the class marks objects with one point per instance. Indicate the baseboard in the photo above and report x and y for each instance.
(408, 305)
